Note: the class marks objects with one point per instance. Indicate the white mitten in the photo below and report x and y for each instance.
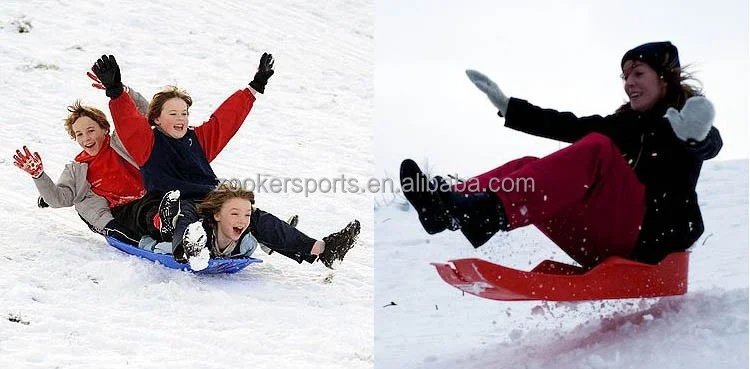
(489, 87)
(694, 120)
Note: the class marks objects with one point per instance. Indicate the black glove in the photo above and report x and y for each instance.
(41, 203)
(265, 71)
(108, 72)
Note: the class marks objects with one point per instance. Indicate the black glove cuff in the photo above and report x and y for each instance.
(114, 92)
(258, 86)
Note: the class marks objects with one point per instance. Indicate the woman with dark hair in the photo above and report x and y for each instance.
(625, 187)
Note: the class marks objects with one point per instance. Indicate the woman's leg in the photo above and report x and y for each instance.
(482, 182)
(584, 197)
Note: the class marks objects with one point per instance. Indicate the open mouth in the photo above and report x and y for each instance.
(89, 146)
(635, 95)
(179, 127)
(238, 230)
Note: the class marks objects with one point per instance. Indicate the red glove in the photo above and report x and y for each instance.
(31, 164)
(97, 83)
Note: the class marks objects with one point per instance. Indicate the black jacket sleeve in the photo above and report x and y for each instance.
(548, 123)
(708, 148)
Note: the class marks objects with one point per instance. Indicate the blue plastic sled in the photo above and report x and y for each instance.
(215, 266)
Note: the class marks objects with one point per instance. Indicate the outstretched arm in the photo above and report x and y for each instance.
(131, 126)
(69, 188)
(214, 134)
(525, 117)
(553, 124)
(60, 195)
(693, 125)
(489, 87)
(73, 191)
(708, 148)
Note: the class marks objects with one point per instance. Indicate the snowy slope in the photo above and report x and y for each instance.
(69, 301)
(433, 326)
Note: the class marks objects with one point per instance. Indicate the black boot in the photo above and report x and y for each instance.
(338, 244)
(418, 190)
(480, 214)
(169, 211)
(293, 221)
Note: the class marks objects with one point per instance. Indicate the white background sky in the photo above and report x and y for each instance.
(561, 55)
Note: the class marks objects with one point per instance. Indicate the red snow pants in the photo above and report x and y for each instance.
(585, 198)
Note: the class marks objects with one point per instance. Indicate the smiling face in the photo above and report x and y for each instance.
(642, 85)
(173, 120)
(89, 134)
(233, 218)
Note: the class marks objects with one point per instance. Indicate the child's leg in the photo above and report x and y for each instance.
(139, 215)
(115, 230)
(188, 215)
(280, 237)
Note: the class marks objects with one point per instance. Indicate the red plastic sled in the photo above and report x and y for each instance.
(615, 278)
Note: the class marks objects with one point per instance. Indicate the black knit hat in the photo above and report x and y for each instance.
(661, 56)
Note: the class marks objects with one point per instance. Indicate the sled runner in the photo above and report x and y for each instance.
(614, 278)
(215, 266)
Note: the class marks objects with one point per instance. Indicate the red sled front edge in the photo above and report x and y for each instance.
(615, 278)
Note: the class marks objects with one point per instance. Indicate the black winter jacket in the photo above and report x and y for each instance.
(667, 166)
(178, 164)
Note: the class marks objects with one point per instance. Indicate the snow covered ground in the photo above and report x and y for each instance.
(67, 300)
(433, 325)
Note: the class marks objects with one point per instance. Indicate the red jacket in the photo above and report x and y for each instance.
(137, 136)
(111, 176)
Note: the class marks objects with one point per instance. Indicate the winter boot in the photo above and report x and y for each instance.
(169, 212)
(479, 214)
(418, 190)
(338, 244)
(193, 244)
(293, 221)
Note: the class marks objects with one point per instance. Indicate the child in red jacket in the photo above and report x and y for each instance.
(102, 182)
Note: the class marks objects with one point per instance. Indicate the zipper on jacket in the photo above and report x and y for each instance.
(640, 152)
